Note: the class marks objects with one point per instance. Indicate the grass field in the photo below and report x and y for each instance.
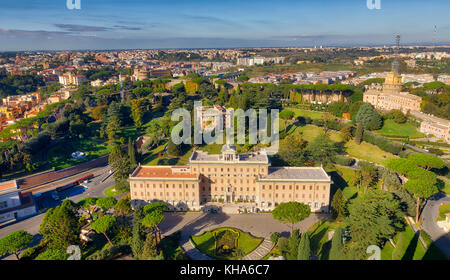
(443, 209)
(306, 113)
(205, 243)
(446, 188)
(393, 129)
(343, 178)
(111, 191)
(309, 132)
(59, 156)
(151, 158)
(318, 234)
(409, 247)
(368, 152)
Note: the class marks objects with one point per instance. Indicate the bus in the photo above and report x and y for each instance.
(75, 183)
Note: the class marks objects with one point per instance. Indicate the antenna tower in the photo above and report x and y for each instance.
(395, 64)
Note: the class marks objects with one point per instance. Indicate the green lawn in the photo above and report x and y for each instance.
(343, 178)
(393, 129)
(443, 209)
(205, 243)
(309, 132)
(446, 188)
(273, 253)
(59, 156)
(368, 152)
(318, 234)
(111, 191)
(305, 113)
(409, 247)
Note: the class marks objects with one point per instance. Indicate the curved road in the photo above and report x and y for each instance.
(429, 214)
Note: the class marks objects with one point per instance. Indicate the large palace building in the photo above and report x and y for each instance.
(391, 97)
(230, 178)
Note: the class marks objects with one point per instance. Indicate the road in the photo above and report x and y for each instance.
(429, 214)
(95, 188)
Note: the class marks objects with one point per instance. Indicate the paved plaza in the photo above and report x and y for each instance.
(260, 225)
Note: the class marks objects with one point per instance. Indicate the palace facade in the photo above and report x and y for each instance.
(391, 97)
(230, 178)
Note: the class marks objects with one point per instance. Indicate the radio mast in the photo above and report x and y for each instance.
(395, 64)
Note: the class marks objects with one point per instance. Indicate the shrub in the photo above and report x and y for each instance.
(33, 252)
(405, 153)
(383, 143)
(436, 151)
(110, 252)
(318, 122)
(274, 237)
(334, 124)
(343, 160)
(283, 245)
(52, 255)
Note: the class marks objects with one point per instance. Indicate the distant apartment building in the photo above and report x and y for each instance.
(258, 60)
(439, 130)
(13, 203)
(62, 94)
(10, 112)
(390, 96)
(70, 79)
(230, 178)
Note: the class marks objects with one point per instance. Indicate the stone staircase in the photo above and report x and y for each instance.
(192, 252)
(263, 249)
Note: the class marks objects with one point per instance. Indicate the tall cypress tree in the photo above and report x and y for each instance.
(132, 153)
(359, 133)
(336, 252)
(294, 240)
(304, 248)
(339, 205)
(137, 241)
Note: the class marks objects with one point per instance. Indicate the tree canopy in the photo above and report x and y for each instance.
(15, 242)
(291, 212)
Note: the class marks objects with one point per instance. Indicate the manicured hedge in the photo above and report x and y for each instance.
(383, 143)
(343, 160)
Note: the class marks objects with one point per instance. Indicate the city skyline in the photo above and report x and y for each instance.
(49, 25)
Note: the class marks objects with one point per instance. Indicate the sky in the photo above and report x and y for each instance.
(147, 24)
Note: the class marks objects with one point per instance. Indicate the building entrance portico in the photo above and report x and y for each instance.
(229, 195)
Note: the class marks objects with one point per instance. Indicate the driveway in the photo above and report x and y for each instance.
(429, 214)
(261, 225)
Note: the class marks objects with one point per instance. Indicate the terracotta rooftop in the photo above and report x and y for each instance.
(7, 185)
(161, 172)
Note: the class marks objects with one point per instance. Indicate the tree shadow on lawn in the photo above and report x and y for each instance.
(409, 253)
(338, 182)
(325, 251)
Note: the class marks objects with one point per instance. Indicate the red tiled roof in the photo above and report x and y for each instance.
(7, 185)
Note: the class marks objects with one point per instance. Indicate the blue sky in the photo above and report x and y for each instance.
(127, 24)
